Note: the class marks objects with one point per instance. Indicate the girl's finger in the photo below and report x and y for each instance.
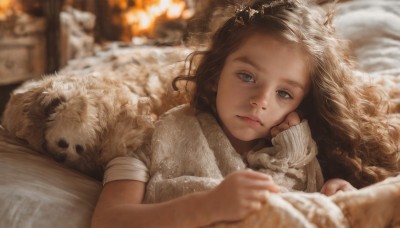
(283, 126)
(278, 129)
(262, 185)
(274, 131)
(255, 205)
(256, 175)
(293, 119)
(259, 195)
(272, 187)
(347, 187)
(260, 180)
(329, 189)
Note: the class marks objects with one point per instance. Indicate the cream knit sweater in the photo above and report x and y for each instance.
(189, 152)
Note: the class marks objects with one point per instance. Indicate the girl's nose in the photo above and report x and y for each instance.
(255, 104)
(260, 101)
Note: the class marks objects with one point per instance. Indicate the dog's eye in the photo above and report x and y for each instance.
(49, 109)
(62, 143)
(79, 149)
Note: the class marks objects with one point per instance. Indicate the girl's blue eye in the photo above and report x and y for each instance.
(246, 77)
(283, 94)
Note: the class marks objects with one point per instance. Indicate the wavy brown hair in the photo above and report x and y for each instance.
(348, 121)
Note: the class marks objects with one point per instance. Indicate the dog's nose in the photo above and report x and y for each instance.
(62, 143)
(79, 149)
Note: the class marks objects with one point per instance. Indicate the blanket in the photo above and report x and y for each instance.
(375, 206)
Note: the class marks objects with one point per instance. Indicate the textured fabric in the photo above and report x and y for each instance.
(191, 153)
(372, 27)
(126, 168)
(292, 160)
(36, 191)
(374, 206)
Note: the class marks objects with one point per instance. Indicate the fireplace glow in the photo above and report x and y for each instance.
(7, 8)
(142, 17)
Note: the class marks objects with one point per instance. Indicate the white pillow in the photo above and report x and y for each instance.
(35, 191)
(374, 31)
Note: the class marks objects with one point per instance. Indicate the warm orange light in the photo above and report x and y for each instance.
(139, 20)
(175, 10)
(121, 4)
(142, 17)
(5, 6)
(8, 8)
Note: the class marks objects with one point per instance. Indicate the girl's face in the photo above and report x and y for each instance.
(260, 84)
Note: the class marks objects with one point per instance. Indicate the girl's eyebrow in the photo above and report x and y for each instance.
(247, 60)
(294, 84)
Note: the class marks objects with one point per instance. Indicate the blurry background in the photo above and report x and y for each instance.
(39, 37)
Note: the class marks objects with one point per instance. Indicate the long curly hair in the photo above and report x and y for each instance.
(349, 122)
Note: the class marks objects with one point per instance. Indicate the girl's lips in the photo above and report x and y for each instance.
(251, 119)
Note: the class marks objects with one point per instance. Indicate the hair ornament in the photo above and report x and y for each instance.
(245, 14)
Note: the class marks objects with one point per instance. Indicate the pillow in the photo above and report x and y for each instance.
(372, 27)
(36, 191)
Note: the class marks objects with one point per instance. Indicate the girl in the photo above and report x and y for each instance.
(269, 65)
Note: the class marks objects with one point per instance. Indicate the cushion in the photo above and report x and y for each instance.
(36, 191)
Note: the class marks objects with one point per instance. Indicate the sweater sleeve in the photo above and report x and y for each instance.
(126, 168)
(134, 165)
(295, 145)
(292, 160)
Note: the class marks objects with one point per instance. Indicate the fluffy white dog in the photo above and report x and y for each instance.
(82, 121)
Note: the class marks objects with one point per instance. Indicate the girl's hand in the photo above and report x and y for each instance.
(335, 185)
(239, 194)
(291, 119)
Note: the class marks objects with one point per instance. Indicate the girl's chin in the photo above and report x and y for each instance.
(244, 135)
(247, 137)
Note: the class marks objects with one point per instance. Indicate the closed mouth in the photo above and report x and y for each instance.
(251, 118)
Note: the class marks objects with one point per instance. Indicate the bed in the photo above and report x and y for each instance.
(36, 191)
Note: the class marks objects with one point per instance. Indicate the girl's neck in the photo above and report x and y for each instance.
(242, 147)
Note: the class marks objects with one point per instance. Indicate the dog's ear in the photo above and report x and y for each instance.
(44, 105)
(41, 107)
(37, 113)
(38, 106)
(27, 111)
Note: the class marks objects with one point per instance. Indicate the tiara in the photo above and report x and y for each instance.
(245, 14)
